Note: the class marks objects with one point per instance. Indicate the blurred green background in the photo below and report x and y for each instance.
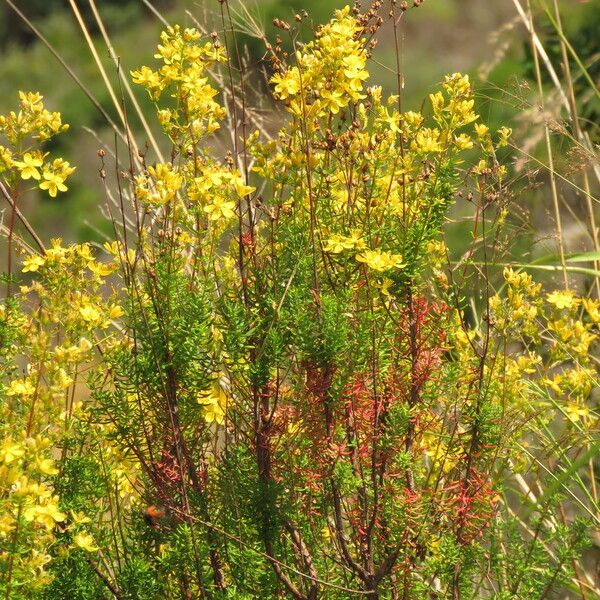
(442, 36)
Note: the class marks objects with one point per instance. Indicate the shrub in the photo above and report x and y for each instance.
(268, 385)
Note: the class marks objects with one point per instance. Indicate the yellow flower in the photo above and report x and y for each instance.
(427, 140)
(113, 248)
(414, 119)
(481, 130)
(20, 387)
(437, 102)
(576, 411)
(79, 518)
(481, 167)
(7, 524)
(90, 313)
(115, 312)
(6, 159)
(54, 183)
(463, 113)
(333, 100)
(62, 381)
(215, 403)
(385, 285)
(36, 563)
(63, 168)
(583, 338)
(47, 514)
(504, 133)
(46, 466)
(150, 79)
(592, 308)
(33, 263)
(379, 260)
(338, 243)
(84, 345)
(29, 166)
(102, 269)
(241, 189)
(356, 240)
(287, 84)
(562, 299)
(160, 185)
(354, 67)
(30, 100)
(11, 451)
(457, 84)
(463, 142)
(211, 178)
(85, 541)
(220, 208)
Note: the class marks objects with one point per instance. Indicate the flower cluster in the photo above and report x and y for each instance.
(380, 261)
(23, 158)
(329, 73)
(377, 184)
(159, 185)
(557, 333)
(207, 190)
(183, 76)
(39, 407)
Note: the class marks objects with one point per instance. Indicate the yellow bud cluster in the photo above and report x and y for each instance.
(33, 121)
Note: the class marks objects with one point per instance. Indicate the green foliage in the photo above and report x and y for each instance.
(73, 578)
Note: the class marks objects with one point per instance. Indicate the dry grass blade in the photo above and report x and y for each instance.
(68, 69)
(554, 190)
(125, 82)
(117, 105)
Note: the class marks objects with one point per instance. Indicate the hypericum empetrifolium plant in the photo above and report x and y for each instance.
(279, 400)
